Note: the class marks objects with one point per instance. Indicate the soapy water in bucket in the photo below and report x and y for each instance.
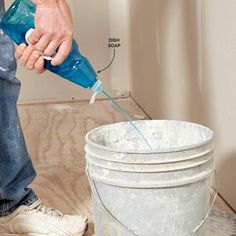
(128, 118)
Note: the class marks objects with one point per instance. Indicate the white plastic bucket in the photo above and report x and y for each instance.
(159, 192)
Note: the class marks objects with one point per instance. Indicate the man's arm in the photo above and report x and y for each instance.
(53, 30)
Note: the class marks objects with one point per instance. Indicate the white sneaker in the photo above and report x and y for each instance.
(37, 219)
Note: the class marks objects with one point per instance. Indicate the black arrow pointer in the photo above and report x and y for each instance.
(113, 58)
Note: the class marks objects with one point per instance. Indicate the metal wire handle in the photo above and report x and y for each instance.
(104, 208)
(102, 205)
(211, 206)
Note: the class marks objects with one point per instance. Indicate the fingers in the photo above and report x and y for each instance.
(63, 51)
(43, 43)
(39, 65)
(19, 50)
(30, 58)
(26, 54)
(47, 45)
(33, 58)
(51, 48)
(35, 37)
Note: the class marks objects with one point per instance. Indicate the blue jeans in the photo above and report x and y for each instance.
(16, 169)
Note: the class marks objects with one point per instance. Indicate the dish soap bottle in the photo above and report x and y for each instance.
(18, 23)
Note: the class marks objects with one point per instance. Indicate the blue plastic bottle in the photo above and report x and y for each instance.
(19, 19)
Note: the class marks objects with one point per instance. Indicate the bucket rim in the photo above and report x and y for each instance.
(154, 151)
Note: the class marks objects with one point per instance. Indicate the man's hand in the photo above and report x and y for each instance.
(53, 30)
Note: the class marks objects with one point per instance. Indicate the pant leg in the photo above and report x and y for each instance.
(16, 170)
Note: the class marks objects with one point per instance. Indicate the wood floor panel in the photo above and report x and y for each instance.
(55, 132)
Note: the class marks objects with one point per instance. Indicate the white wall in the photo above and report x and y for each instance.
(94, 21)
(184, 67)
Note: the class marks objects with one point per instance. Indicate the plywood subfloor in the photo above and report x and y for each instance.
(55, 137)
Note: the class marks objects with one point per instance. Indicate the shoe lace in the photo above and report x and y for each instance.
(48, 211)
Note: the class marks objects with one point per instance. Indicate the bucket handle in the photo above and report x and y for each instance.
(211, 206)
(104, 208)
(102, 205)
